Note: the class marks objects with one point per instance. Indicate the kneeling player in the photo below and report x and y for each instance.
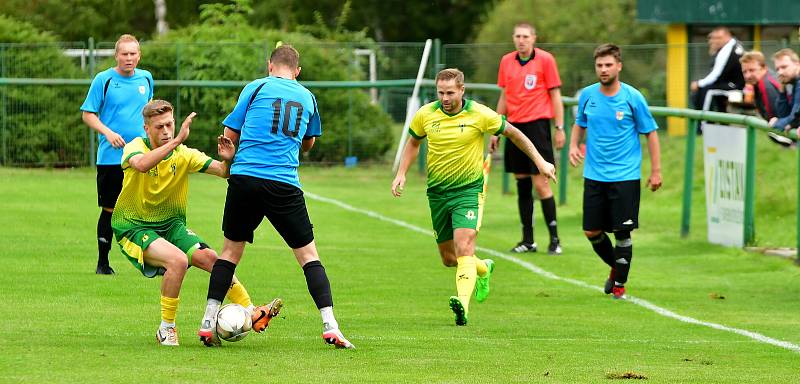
(149, 218)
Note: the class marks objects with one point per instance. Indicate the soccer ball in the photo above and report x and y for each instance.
(233, 322)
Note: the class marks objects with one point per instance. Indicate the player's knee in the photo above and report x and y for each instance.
(204, 257)
(592, 234)
(623, 238)
(177, 264)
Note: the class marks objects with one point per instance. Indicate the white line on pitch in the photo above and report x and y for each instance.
(535, 269)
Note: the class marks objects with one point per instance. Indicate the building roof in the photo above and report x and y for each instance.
(747, 12)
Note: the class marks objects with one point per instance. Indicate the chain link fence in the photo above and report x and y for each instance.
(44, 85)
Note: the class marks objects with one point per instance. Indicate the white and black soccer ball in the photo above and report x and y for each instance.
(233, 322)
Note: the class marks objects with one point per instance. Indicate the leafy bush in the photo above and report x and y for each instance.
(40, 124)
(224, 47)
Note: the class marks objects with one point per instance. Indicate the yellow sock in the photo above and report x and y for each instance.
(480, 266)
(169, 305)
(465, 279)
(237, 294)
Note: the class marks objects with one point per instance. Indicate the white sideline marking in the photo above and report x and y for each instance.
(539, 271)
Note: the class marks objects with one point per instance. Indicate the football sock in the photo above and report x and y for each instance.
(237, 294)
(318, 285)
(466, 274)
(603, 248)
(104, 237)
(549, 211)
(327, 317)
(169, 305)
(480, 267)
(221, 278)
(525, 205)
(623, 253)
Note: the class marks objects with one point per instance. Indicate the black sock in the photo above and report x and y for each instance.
(549, 211)
(318, 285)
(105, 235)
(623, 253)
(525, 205)
(220, 280)
(602, 246)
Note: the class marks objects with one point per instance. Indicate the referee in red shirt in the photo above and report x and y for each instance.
(530, 99)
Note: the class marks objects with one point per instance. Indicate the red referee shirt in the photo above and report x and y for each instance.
(527, 86)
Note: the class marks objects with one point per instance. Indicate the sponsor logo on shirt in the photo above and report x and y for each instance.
(530, 82)
(620, 115)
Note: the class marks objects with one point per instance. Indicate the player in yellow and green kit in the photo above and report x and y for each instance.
(455, 129)
(149, 218)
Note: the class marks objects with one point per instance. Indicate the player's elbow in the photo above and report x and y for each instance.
(308, 143)
(87, 116)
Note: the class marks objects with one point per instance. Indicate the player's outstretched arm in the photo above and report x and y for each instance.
(410, 153)
(147, 161)
(575, 154)
(654, 147)
(525, 145)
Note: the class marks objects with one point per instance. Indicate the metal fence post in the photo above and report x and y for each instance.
(750, 187)
(688, 178)
(177, 77)
(91, 77)
(797, 223)
(564, 160)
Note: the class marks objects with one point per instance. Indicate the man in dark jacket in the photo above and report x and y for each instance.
(766, 88)
(787, 64)
(726, 72)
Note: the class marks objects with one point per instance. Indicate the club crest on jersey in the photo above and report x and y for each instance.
(141, 89)
(470, 215)
(620, 115)
(530, 81)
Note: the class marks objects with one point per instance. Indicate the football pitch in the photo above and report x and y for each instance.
(697, 313)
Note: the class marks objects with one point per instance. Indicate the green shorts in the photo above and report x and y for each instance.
(462, 208)
(134, 242)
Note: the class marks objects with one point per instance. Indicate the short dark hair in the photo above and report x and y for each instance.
(285, 55)
(608, 50)
(155, 108)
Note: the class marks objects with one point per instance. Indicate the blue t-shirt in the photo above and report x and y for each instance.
(273, 116)
(118, 101)
(613, 125)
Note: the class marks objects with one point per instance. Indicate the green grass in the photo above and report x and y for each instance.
(65, 324)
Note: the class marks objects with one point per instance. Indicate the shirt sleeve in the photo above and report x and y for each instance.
(417, 128)
(580, 114)
(152, 85)
(314, 128)
(494, 123)
(94, 98)
(793, 112)
(198, 161)
(501, 74)
(719, 64)
(551, 78)
(135, 147)
(235, 119)
(645, 123)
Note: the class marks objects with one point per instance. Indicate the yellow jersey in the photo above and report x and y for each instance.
(455, 142)
(158, 196)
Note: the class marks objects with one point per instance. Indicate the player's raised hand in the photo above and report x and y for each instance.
(115, 139)
(398, 184)
(575, 155)
(225, 148)
(184, 133)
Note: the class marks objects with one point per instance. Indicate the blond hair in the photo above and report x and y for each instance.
(525, 24)
(126, 38)
(787, 52)
(451, 74)
(753, 56)
(155, 108)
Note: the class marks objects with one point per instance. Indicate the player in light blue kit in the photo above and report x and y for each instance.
(274, 118)
(113, 108)
(612, 114)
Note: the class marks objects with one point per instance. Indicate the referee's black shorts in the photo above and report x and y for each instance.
(109, 184)
(538, 131)
(611, 206)
(250, 199)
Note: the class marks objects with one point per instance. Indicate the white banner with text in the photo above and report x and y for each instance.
(724, 152)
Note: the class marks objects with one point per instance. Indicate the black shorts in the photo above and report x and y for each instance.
(109, 185)
(250, 199)
(538, 131)
(611, 206)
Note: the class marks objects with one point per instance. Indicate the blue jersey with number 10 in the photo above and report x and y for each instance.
(273, 116)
